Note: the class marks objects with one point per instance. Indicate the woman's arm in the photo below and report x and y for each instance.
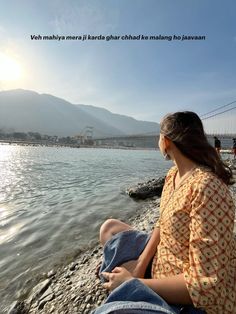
(172, 289)
(139, 266)
(150, 250)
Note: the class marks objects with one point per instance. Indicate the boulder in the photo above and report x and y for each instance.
(147, 189)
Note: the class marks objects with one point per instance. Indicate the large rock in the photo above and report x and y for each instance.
(39, 290)
(147, 189)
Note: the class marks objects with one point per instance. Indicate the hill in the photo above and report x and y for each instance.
(28, 111)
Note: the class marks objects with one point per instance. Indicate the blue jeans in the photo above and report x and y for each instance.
(133, 297)
(123, 247)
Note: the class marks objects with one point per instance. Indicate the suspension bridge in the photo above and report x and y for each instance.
(220, 122)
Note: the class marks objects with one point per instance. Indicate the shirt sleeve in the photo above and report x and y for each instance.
(166, 183)
(211, 230)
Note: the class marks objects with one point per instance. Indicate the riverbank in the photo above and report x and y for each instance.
(74, 288)
(49, 198)
(61, 145)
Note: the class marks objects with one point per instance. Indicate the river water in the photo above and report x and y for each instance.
(53, 200)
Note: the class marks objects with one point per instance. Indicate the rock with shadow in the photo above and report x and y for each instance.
(147, 189)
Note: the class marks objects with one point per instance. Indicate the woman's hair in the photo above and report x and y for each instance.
(186, 131)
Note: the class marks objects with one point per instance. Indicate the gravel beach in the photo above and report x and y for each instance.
(75, 288)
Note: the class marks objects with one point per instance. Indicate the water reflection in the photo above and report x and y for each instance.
(49, 197)
(3, 213)
(9, 229)
(10, 233)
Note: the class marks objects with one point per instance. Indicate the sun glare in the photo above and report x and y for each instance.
(10, 69)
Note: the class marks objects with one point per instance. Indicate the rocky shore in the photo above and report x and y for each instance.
(75, 288)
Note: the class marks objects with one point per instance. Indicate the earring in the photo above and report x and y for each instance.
(166, 156)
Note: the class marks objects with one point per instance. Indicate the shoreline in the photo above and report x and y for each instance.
(74, 288)
(223, 151)
(55, 145)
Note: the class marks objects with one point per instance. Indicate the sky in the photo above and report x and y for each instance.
(144, 79)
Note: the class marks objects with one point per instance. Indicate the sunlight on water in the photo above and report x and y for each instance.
(10, 233)
(53, 200)
(3, 213)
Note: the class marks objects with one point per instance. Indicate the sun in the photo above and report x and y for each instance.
(10, 69)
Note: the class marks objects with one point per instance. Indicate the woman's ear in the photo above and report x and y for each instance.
(167, 142)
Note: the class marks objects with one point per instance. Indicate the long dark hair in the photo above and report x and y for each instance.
(186, 131)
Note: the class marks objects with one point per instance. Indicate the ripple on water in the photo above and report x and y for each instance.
(54, 200)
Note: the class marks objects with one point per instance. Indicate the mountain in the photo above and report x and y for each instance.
(126, 124)
(28, 111)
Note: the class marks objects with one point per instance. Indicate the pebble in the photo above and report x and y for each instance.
(73, 266)
(51, 273)
(39, 290)
(67, 275)
(88, 298)
(46, 294)
(52, 309)
(73, 297)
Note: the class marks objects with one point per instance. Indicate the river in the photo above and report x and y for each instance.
(53, 200)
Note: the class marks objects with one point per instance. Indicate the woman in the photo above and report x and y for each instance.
(217, 144)
(192, 248)
(234, 147)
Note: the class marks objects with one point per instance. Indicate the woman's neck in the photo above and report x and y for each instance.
(184, 165)
(185, 168)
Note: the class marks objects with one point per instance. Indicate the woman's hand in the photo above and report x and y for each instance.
(116, 277)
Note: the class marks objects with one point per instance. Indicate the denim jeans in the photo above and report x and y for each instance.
(134, 297)
(123, 247)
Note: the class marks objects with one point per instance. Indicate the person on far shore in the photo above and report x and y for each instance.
(234, 147)
(217, 144)
(192, 249)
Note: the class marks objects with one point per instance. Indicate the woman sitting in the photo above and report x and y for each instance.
(192, 249)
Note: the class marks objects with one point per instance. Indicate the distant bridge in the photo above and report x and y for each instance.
(151, 141)
(220, 122)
